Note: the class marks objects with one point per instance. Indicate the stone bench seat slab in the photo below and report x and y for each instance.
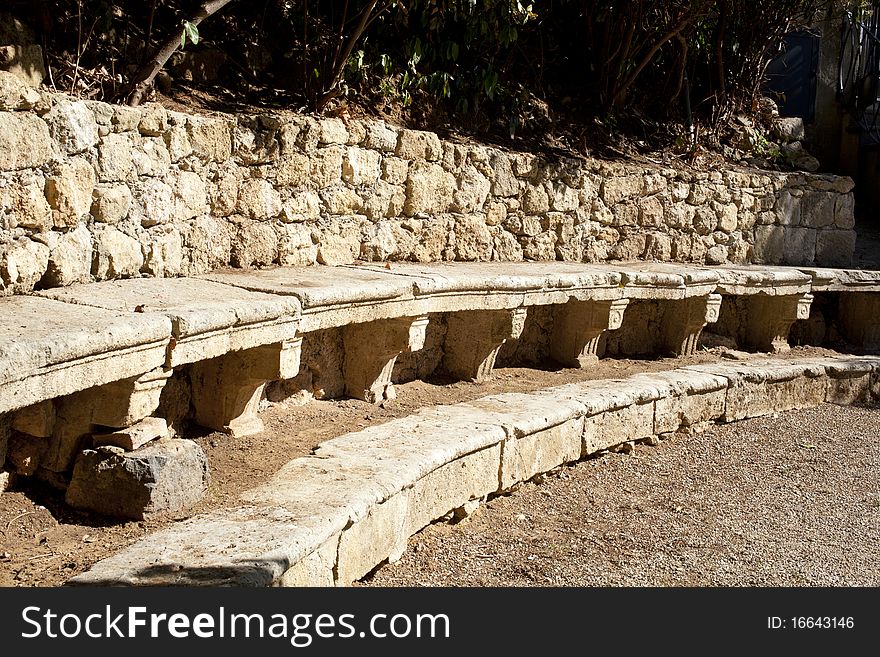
(773, 281)
(843, 280)
(208, 319)
(656, 280)
(49, 349)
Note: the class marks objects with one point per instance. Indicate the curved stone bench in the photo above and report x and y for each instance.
(330, 518)
(94, 359)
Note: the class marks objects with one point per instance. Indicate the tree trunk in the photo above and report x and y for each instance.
(147, 73)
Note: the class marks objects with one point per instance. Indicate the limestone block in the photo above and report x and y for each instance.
(326, 166)
(210, 138)
(25, 141)
(332, 131)
(22, 264)
(258, 199)
(859, 318)
(117, 255)
(394, 170)
(190, 195)
(340, 200)
(177, 143)
(15, 94)
(297, 246)
(135, 436)
(844, 212)
(429, 189)
(361, 167)
(799, 246)
(379, 536)
(125, 119)
(153, 202)
(303, 206)
(451, 486)
(535, 453)
(473, 241)
(293, 170)
(535, 200)
(154, 120)
(35, 420)
(115, 158)
(70, 259)
(72, 125)
(316, 569)
(620, 188)
(167, 477)
(684, 320)
(692, 398)
(372, 348)
(122, 403)
(818, 209)
(769, 245)
(110, 203)
(24, 203)
(380, 137)
(504, 183)
(223, 192)
(578, 328)
(851, 382)
(255, 244)
(418, 145)
(69, 192)
(226, 391)
(151, 158)
(614, 427)
(473, 339)
(835, 248)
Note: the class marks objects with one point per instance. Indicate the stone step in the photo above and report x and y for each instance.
(330, 518)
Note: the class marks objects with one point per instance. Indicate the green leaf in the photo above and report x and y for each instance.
(189, 30)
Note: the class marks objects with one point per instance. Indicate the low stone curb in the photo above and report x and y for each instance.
(330, 518)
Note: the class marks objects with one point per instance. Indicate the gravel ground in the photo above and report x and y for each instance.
(788, 500)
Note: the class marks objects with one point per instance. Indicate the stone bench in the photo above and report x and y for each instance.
(330, 518)
(91, 362)
(854, 296)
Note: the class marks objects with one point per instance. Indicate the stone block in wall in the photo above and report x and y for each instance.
(25, 141)
(110, 203)
(115, 158)
(380, 137)
(341, 200)
(207, 243)
(302, 206)
(473, 241)
(70, 258)
(190, 195)
(23, 203)
(326, 166)
(332, 131)
(340, 243)
(258, 199)
(620, 188)
(24, 453)
(116, 255)
(394, 170)
(163, 253)
(15, 94)
(473, 190)
(504, 182)
(210, 138)
(293, 170)
(125, 119)
(799, 246)
(419, 145)
(727, 217)
(223, 190)
(69, 191)
(769, 245)
(177, 142)
(361, 166)
(165, 477)
(152, 202)
(151, 157)
(650, 211)
(535, 199)
(255, 245)
(844, 211)
(818, 209)
(429, 189)
(72, 126)
(22, 264)
(835, 248)
(153, 121)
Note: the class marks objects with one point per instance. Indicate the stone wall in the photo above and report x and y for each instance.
(92, 191)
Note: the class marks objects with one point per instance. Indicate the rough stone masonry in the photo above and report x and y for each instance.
(92, 191)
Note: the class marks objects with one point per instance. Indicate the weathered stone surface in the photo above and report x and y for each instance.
(256, 245)
(258, 199)
(110, 203)
(115, 158)
(135, 436)
(473, 241)
(210, 138)
(190, 195)
(24, 453)
(152, 202)
(154, 120)
(361, 167)
(799, 246)
(419, 145)
(70, 258)
(69, 192)
(35, 420)
(24, 204)
(835, 248)
(534, 453)
(116, 255)
(151, 157)
(25, 141)
(72, 125)
(15, 94)
(380, 137)
(22, 263)
(168, 477)
(769, 245)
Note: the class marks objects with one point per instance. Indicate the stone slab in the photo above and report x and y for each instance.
(843, 280)
(49, 348)
(208, 319)
(762, 280)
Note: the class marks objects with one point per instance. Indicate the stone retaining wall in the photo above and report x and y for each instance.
(92, 191)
